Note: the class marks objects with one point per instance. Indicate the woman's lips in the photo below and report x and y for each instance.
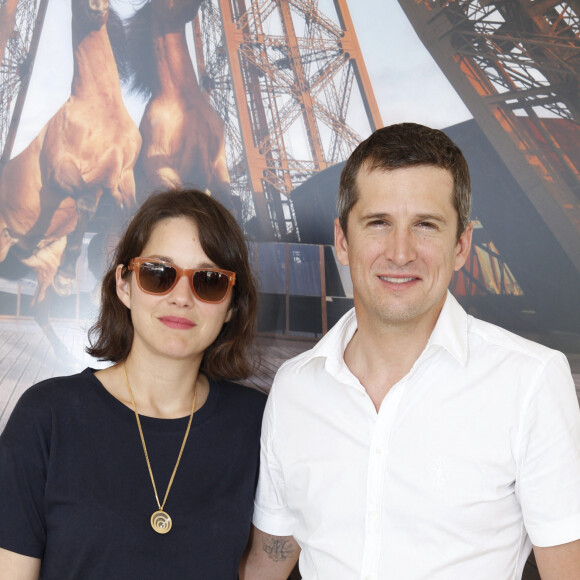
(177, 322)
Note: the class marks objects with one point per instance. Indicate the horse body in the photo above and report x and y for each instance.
(50, 191)
(20, 183)
(91, 144)
(27, 220)
(183, 136)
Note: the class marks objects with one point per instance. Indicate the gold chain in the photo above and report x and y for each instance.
(164, 525)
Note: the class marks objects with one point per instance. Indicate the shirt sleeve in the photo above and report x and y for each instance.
(271, 512)
(548, 484)
(23, 460)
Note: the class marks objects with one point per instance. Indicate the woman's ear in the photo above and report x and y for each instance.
(229, 313)
(123, 286)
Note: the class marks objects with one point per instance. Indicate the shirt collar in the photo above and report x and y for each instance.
(333, 344)
(450, 333)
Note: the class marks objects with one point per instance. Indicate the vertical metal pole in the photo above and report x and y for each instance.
(18, 299)
(350, 44)
(287, 329)
(323, 290)
(256, 164)
(78, 291)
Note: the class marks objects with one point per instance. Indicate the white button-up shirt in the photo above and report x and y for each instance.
(475, 448)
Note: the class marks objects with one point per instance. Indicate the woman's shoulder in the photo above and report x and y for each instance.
(238, 394)
(56, 390)
(237, 409)
(47, 400)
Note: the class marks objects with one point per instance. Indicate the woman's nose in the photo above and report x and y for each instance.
(182, 294)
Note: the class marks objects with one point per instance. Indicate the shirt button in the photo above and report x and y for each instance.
(378, 450)
(372, 515)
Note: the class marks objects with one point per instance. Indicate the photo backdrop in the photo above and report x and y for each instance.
(259, 104)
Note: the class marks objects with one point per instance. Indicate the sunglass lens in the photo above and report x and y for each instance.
(156, 278)
(210, 286)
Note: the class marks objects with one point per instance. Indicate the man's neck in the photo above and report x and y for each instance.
(380, 355)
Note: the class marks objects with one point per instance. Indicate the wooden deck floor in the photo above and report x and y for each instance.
(27, 358)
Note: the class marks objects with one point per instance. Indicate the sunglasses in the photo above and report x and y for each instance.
(210, 285)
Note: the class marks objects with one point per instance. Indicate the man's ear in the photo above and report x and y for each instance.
(340, 243)
(123, 286)
(463, 247)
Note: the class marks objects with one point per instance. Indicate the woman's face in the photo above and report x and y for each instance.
(175, 325)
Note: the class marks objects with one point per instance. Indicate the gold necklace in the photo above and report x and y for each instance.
(160, 520)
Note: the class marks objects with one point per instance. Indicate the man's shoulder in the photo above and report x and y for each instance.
(300, 364)
(495, 337)
(331, 345)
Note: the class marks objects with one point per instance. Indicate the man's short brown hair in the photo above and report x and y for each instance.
(406, 145)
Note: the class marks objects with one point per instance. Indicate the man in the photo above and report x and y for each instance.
(414, 441)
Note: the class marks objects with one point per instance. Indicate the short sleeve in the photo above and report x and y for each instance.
(271, 513)
(23, 461)
(548, 484)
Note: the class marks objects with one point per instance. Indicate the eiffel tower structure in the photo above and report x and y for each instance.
(20, 28)
(282, 73)
(516, 66)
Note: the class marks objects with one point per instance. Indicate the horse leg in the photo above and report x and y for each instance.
(65, 276)
(7, 240)
(45, 263)
(41, 316)
(49, 214)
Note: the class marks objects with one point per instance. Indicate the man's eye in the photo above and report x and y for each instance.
(427, 225)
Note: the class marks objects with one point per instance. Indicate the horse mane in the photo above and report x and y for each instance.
(140, 52)
(118, 40)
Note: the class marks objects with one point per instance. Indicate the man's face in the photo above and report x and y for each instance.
(402, 246)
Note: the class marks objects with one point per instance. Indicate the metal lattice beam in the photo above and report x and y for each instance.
(281, 73)
(20, 28)
(516, 65)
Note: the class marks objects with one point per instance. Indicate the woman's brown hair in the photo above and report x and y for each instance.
(229, 356)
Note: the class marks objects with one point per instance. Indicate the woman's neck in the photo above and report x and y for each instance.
(161, 388)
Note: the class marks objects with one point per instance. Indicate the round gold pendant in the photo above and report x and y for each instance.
(161, 522)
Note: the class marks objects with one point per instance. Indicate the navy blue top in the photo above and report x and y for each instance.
(75, 490)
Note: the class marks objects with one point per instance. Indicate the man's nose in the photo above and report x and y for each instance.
(401, 246)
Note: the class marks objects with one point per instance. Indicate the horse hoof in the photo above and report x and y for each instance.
(63, 285)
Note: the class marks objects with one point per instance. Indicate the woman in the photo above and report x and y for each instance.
(146, 469)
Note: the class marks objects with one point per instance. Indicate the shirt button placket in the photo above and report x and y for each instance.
(377, 473)
(373, 520)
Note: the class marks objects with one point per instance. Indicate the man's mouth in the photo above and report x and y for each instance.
(397, 280)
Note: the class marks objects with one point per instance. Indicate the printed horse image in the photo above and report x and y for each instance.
(90, 146)
(50, 191)
(183, 136)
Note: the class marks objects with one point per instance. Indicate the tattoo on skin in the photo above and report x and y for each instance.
(278, 549)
